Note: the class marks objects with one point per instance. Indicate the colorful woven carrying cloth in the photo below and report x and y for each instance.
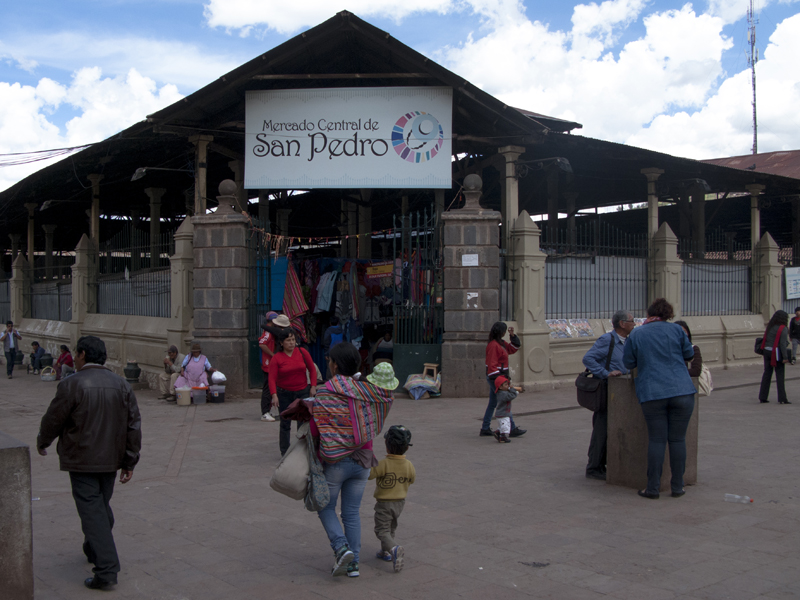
(348, 414)
(294, 305)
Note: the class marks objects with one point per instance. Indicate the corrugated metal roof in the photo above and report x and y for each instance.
(785, 163)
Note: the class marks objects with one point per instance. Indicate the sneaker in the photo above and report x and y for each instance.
(344, 556)
(496, 434)
(387, 556)
(352, 569)
(171, 398)
(504, 438)
(486, 432)
(516, 432)
(267, 417)
(397, 558)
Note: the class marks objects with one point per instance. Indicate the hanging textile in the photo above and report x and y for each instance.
(294, 304)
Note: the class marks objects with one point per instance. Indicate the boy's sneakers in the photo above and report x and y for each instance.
(387, 556)
(397, 558)
(352, 569)
(267, 417)
(501, 437)
(344, 556)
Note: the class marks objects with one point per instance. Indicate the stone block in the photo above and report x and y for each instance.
(477, 277)
(453, 320)
(201, 237)
(235, 236)
(470, 235)
(493, 278)
(202, 278)
(473, 321)
(202, 318)
(219, 278)
(217, 237)
(453, 278)
(236, 278)
(452, 234)
(628, 440)
(221, 319)
(16, 550)
(209, 299)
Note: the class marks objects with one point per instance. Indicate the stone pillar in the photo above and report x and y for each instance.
(31, 206)
(155, 195)
(754, 189)
(19, 290)
(188, 200)
(16, 523)
(509, 202)
(135, 248)
(527, 267)
(552, 205)
(263, 206)
(652, 175)
(94, 224)
(666, 276)
(14, 237)
(182, 287)
(200, 171)
(221, 288)
(237, 166)
(471, 297)
(768, 281)
(438, 200)
(48, 250)
(84, 288)
(364, 229)
(699, 222)
(684, 221)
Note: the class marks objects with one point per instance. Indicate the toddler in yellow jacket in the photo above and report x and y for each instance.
(393, 475)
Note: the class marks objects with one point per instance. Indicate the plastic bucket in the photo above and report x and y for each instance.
(199, 395)
(216, 394)
(183, 396)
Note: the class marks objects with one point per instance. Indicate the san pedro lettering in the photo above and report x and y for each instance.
(319, 144)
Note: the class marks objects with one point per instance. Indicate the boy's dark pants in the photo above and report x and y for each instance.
(386, 515)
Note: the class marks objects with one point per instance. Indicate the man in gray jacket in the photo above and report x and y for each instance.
(10, 346)
(96, 420)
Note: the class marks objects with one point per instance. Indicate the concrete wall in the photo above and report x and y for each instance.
(16, 533)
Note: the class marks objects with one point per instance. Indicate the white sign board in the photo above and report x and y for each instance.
(469, 260)
(792, 275)
(396, 137)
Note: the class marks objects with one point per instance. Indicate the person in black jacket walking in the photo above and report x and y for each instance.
(96, 418)
(776, 355)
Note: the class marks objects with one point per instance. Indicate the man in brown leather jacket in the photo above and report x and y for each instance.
(96, 420)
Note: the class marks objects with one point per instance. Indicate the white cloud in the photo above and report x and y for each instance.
(723, 127)
(182, 64)
(290, 17)
(573, 75)
(732, 10)
(107, 105)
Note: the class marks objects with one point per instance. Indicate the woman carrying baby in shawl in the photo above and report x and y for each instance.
(346, 415)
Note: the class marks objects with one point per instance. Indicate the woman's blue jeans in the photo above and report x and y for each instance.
(487, 416)
(350, 478)
(667, 421)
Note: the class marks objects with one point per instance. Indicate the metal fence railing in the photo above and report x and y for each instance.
(594, 270)
(5, 301)
(50, 293)
(507, 300)
(718, 277)
(134, 274)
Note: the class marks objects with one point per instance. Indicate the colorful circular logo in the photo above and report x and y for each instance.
(417, 137)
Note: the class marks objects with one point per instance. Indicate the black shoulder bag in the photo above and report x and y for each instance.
(593, 391)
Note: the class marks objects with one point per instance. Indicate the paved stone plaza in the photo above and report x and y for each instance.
(484, 520)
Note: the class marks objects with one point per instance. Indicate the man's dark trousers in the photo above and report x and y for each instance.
(92, 493)
(598, 447)
(11, 355)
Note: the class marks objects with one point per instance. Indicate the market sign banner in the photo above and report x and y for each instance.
(397, 137)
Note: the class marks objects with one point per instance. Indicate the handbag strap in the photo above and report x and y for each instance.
(610, 350)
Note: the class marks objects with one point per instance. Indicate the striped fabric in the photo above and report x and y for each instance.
(348, 414)
(294, 305)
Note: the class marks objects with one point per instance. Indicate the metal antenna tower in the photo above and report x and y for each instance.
(752, 59)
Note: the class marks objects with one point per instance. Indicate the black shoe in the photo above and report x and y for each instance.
(646, 494)
(678, 494)
(93, 583)
(486, 433)
(764, 401)
(516, 432)
(784, 402)
(595, 475)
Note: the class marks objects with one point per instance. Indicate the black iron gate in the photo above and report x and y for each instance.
(260, 281)
(418, 308)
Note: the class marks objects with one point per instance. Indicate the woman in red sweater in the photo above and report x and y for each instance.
(290, 370)
(497, 352)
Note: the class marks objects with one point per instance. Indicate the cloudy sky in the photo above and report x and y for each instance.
(657, 74)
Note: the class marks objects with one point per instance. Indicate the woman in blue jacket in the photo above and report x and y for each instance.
(659, 351)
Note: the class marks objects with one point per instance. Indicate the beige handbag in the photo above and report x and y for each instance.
(291, 475)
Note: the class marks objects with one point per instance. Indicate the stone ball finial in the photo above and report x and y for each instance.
(473, 183)
(227, 188)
